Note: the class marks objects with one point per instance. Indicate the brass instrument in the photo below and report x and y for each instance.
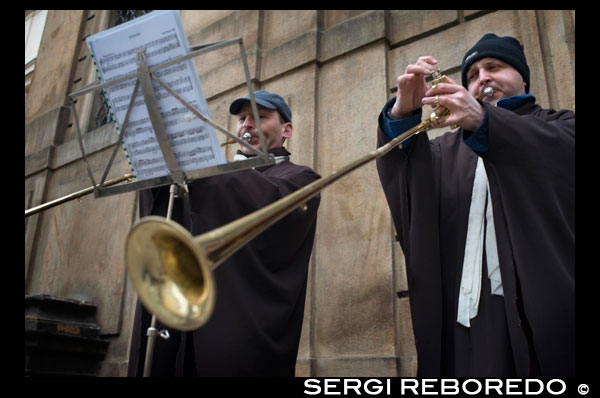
(172, 271)
(76, 195)
(246, 137)
(128, 177)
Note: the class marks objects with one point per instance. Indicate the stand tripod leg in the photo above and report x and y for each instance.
(150, 347)
(152, 332)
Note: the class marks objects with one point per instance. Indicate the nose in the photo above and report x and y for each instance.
(248, 122)
(484, 77)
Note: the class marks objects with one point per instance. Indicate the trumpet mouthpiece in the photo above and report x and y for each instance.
(488, 92)
(247, 137)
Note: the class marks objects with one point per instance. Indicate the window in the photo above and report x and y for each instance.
(34, 28)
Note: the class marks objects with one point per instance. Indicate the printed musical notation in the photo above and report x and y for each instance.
(115, 54)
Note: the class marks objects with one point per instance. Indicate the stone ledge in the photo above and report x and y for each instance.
(54, 157)
(357, 367)
(351, 34)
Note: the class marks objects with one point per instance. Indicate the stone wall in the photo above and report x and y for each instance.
(336, 69)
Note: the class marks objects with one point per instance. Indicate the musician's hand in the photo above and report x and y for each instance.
(412, 87)
(464, 109)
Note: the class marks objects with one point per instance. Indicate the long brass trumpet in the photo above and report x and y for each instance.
(86, 191)
(172, 271)
(75, 195)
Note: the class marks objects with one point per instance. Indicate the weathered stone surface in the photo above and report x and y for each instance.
(222, 69)
(344, 37)
(409, 25)
(336, 69)
(81, 243)
(356, 367)
(59, 43)
(353, 309)
(289, 55)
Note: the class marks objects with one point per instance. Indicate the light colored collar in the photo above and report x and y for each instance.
(278, 159)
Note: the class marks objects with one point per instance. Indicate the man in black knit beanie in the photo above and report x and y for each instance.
(485, 216)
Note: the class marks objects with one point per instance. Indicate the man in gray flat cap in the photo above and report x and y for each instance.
(485, 216)
(269, 104)
(256, 324)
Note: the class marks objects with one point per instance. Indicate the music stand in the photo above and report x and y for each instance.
(144, 77)
(177, 178)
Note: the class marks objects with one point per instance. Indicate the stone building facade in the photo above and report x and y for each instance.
(336, 69)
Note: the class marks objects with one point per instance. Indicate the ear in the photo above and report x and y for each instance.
(288, 129)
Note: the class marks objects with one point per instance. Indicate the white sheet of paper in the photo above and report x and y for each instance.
(114, 51)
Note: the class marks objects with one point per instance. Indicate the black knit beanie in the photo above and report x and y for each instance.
(507, 49)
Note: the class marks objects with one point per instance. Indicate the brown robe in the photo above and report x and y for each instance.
(256, 324)
(530, 164)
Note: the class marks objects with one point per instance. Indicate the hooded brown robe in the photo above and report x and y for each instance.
(530, 164)
(256, 324)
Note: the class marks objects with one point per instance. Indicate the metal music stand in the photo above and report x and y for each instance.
(144, 76)
(176, 177)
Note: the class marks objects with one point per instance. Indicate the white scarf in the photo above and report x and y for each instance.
(239, 156)
(470, 285)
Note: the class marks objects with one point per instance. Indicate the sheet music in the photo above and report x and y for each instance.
(114, 51)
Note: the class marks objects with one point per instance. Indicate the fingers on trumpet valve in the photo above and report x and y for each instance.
(487, 92)
(438, 116)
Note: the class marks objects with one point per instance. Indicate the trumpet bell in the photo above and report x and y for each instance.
(170, 273)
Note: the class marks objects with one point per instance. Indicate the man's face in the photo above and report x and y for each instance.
(273, 129)
(491, 72)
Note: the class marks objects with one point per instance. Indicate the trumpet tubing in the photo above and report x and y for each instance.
(75, 195)
(246, 137)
